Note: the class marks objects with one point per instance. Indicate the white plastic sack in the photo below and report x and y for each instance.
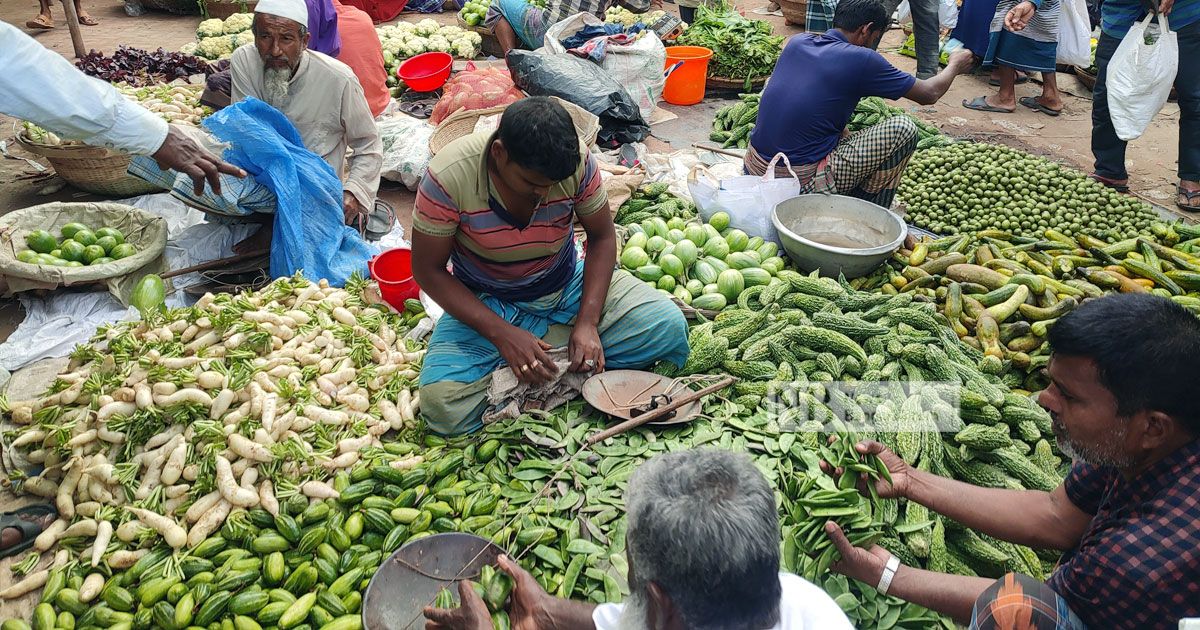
(1074, 34)
(748, 199)
(904, 13)
(948, 14)
(405, 148)
(1140, 76)
(637, 66)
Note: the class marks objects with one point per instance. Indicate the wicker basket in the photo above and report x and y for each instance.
(91, 169)
(222, 10)
(490, 45)
(795, 12)
(462, 123)
(724, 83)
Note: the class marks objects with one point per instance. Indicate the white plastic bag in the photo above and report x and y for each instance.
(1140, 76)
(1074, 34)
(748, 199)
(904, 13)
(637, 66)
(405, 148)
(948, 13)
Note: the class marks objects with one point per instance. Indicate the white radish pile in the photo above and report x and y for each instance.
(167, 424)
(174, 103)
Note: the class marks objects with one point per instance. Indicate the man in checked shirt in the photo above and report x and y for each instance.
(1126, 407)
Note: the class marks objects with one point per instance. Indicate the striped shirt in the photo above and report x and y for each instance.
(492, 253)
(1116, 16)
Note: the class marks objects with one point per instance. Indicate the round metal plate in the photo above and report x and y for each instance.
(409, 580)
(617, 392)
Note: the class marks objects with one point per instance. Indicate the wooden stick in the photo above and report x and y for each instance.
(655, 414)
(213, 264)
(718, 150)
(73, 26)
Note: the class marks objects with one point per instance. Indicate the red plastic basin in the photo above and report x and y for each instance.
(393, 271)
(426, 72)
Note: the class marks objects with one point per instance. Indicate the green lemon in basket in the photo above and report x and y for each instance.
(56, 262)
(113, 232)
(28, 256)
(92, 253)
(73, 263)
(85, 237)
(41, 241)
(719, 220)
(72, 250)
(57, 253)
(124, 250)
(103, 260)
(69, 230)
(107, 242)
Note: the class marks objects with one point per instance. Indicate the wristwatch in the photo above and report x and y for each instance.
(889, 572)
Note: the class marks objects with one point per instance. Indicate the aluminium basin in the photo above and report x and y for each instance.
(837, 234)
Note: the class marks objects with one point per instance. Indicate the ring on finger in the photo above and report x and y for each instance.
(590, 363)
(524, 368)
(536, 364)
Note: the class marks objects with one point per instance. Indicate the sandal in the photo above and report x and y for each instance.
(980, 104)
(1110, 183)
(1036, 105)
(40, 23)
(29, 528)
(1191, 197)
(88, 20)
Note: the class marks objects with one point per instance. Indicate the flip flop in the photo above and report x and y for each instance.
(40, 23)
(88, 20)
(380, 221)
(1109, 183)
(1021, 80)
(980, 104)
(1032, 103)
(1192, 196)
(29, 529)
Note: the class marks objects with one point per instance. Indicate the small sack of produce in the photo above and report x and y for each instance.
(585, 84)
(475, 89)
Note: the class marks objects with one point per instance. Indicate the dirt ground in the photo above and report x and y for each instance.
(1151, 159)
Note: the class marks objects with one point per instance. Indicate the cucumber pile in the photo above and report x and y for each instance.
(873, 110)
(733, 123)
(971, 186)
(654, 200)
(706, 265)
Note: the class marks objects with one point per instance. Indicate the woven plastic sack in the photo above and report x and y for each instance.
(638, 65)
(474, 89)
(310, 233)
(141, 229)
(1140, 77)
(405, 148)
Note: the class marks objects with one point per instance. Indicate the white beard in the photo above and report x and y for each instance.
(633, 616)
(276, 82)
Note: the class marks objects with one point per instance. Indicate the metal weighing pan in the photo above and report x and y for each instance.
(409, 580)
(618, 392)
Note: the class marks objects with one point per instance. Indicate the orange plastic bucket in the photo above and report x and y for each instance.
(393, 271)
(685, 84)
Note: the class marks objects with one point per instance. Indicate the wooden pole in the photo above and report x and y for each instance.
(73, 26)
(655, 414)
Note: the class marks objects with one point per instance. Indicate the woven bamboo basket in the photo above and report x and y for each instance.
(490, 45)
(462, 123)
(178, 7)
(92, 169)
(795, 12)
(222, 10)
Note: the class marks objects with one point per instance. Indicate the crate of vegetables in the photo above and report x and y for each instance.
(71, 244)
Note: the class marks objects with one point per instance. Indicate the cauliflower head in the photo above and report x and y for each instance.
(188, 48)
(427, 27)
(464, 49)
(238, 22)
(215, 47)
(242, 38)
(210, 28)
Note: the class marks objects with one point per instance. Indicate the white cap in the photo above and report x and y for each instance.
(294, 10)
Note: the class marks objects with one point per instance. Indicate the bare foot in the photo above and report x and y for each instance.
(259, 241)
(11, 536)
(995, 101)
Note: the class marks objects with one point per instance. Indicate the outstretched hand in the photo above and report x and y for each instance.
(181, 153)
(899, 471)
(471, 614)
(864, 565)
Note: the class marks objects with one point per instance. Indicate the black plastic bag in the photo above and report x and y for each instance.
(585, 84)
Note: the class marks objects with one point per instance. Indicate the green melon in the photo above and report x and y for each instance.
(41, 241)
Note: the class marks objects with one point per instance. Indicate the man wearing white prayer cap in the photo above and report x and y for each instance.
(319, 95)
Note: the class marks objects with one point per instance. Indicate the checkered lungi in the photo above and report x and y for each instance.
(867, 164)
(1020, 602)
(818, 15)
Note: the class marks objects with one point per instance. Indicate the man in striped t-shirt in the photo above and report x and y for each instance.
(500, 208)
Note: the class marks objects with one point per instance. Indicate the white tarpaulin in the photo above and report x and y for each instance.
(55, 324)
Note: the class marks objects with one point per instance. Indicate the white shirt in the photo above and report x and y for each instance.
(802, 606)
(325, 102)
(39, 85)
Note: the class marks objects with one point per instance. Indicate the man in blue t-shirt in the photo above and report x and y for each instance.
(1117, 16)
(811, 96)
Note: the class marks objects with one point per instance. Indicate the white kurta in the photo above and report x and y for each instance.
(326, 104)
(39, 85)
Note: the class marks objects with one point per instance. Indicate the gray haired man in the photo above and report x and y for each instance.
(703, 548)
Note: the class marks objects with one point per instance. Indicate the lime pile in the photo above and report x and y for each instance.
(474, 11)
(80, 246)
(707, 265)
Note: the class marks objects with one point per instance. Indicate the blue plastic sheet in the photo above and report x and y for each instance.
(310, 232)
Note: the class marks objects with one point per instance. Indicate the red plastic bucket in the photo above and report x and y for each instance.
(393, 271)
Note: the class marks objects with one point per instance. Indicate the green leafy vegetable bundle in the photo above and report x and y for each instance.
(742, 48)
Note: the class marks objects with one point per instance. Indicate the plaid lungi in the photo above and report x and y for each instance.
(818, 16)
(866, 164)
(1020, 602)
